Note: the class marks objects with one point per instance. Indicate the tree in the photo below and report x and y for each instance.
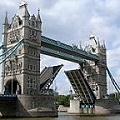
(114, 95)
(63, 100)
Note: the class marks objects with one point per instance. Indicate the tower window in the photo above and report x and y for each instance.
(33, 32)
(20, 22)
(34, 53)
(93, 49)
(31, 80)
(20, 51)
(33, 23)
(30, 92)
(34, 67)
(30, 67)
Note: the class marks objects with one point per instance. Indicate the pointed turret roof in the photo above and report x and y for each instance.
(80, 45)
(104, 46)
(98, 43)
(32, 17)
(6, 19)
(22, 3)
(38, 16)
(23, 12)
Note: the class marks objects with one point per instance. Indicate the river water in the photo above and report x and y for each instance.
(71, 117)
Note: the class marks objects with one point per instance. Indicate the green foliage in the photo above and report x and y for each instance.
(63, 100)
(114, 95)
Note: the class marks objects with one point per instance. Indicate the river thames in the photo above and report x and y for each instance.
(70, 117)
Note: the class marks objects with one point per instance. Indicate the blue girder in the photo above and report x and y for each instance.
(66, 49)
(10, 51)
(59, 54)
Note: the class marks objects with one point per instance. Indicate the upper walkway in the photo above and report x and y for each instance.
(58, 49)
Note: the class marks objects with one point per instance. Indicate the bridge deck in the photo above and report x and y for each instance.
(80, 86)
(47, 76)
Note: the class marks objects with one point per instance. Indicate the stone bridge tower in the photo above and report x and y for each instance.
(22, 70)
(96, 71)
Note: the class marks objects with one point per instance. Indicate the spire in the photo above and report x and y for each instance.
(6, 19)
(98, 43)
(104, 46)
(5, 24)
(23, 12)
(33, 17)
(92, 36)
(23, 3)
(38, 16)
(80, 45)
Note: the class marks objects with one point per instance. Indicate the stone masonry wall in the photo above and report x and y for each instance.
(29, 106)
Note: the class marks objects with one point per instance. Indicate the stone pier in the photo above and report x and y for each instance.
(29, 106)
(102, 107)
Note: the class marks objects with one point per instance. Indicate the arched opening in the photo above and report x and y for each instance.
(12, 87)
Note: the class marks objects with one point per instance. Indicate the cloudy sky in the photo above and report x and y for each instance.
(71, 22)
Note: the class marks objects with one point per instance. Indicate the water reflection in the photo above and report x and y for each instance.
(71, 117)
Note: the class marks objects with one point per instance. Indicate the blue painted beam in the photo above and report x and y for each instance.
(59, 54)
(59, 46)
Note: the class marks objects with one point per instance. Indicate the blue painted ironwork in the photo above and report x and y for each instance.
(47, 76)
(67, 49)
(59, 54)
(1, 47)
(117, 87)
(81, 87)
(10, 51)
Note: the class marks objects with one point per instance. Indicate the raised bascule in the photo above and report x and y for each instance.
(26, 90)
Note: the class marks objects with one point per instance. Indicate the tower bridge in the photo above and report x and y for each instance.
(27, 91)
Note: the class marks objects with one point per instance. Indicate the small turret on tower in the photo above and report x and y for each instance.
(39, 21)
(104, 46)
(98, 70)
(23, 12)
(6, 19)
(5, 28)
(5, 24)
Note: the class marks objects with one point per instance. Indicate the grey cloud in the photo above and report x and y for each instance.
(48, 4)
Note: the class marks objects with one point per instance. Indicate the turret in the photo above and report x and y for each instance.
(5, 28)
(104, 46)
(98, 47)
(39, 22)
(98, 70)
(92, 44)
(23, 13)
(6, 20)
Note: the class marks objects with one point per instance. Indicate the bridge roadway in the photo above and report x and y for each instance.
(58, 49)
